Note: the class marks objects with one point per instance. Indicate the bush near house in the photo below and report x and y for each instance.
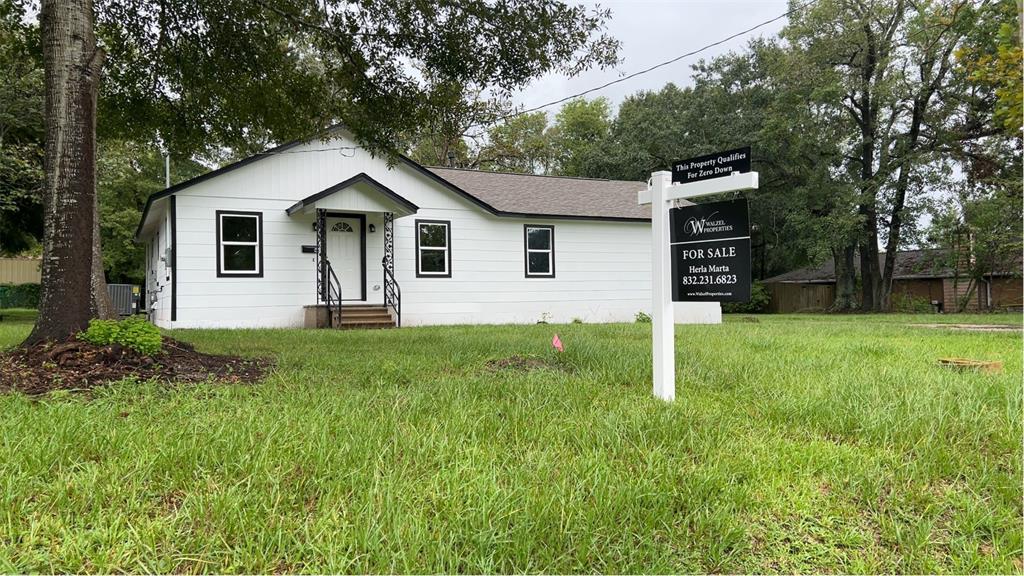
(19, 295)
(134, 332)
(759, 300)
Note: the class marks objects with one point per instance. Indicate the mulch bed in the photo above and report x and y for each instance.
(77, 365)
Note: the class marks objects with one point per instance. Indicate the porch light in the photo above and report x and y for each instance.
(372, 228)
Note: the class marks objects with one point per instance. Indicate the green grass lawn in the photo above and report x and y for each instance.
(797, 444)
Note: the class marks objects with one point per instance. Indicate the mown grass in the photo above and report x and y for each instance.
(797, 444)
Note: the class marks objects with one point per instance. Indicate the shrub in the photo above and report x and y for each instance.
(134, 333)
(19, 295)
(643, 317)
(908, 303)
(759, 300)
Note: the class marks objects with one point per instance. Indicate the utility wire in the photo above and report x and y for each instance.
(617, 80)
(660, 64)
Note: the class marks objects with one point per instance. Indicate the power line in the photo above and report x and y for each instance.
(660, 64)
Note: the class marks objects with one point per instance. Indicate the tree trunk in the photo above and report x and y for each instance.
(870, 271)
(72, 64)
(846, 279)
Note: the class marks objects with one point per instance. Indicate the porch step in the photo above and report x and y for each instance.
(364, 316)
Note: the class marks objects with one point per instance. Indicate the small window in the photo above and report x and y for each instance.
(240, 244)
(540, 251)
(342, 227)
(433, 248)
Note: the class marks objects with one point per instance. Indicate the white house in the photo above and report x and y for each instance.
(278, 239)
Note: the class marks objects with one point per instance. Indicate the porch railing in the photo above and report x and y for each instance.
(392, 294)
(332, 287)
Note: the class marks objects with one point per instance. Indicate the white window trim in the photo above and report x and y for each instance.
(257, 245)
(550, 251)
(444, 250)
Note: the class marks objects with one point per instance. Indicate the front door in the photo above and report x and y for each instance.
(345, 252)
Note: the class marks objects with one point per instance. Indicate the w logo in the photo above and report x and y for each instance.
(696, 226)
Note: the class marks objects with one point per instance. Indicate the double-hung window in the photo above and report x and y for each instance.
(540, 251)
(240, 244)
(433, 248)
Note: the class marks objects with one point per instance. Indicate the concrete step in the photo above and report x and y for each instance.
(364, 316)
(365, 324)
(363, 312)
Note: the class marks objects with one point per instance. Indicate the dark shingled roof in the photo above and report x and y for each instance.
(910, 265)
(550, 195)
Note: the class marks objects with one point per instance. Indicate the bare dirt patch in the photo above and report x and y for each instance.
(78, 365)
(525, 364)
(974, 327)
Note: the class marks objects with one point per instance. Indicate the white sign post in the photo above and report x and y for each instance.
(661, 194)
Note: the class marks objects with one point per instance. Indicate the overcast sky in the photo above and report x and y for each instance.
(652, 31)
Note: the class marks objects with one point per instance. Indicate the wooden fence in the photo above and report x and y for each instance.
(19, 271)
(789, 297)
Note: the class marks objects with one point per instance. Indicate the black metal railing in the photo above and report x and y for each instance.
(332, 287)
(393, 295)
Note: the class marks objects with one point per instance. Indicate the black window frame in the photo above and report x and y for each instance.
(526, 250)
(259, 244)
(448, 249)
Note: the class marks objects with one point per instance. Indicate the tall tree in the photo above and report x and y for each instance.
(520, 144)
(72, 63)
(201, 71)
(454, 132)
(893, 62)
(580, 126)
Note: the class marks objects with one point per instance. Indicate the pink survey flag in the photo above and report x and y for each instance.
(557, 344)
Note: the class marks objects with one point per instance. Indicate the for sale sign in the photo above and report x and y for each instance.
(711, 252)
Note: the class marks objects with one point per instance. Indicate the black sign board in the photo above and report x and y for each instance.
(711, 252)
(711, 166)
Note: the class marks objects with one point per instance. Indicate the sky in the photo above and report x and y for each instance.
(652, 31)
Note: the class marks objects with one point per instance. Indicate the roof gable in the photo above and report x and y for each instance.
(361, 178)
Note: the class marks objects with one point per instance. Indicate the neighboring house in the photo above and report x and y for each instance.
(273, 240)
(921, 276)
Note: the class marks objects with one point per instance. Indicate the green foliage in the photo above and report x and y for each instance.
(128, 172)
(760, 298)
(19, 295)
(134, 332)
(21, 132)
(643, 317)
(520, 144)
(991, 58)
(908, 303)
(203, 72)
(580, 126)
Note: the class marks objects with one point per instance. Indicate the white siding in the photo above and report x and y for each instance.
(602, 273)
(602, 268)
(158, 270)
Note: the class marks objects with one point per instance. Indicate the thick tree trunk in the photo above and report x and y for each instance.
(870, 270)
(846, 279)
(72, 63)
